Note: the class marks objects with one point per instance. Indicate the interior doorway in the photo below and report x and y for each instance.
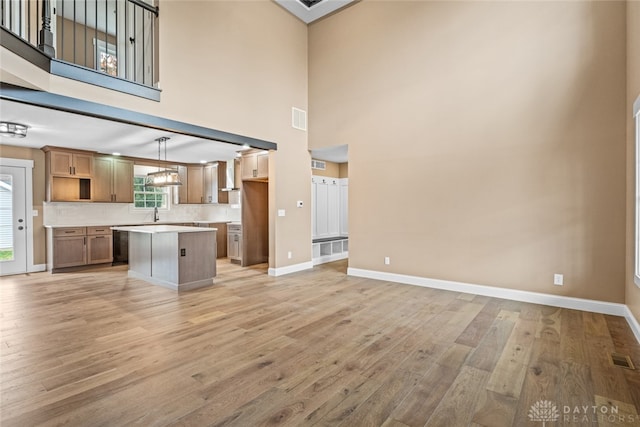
(329, 204)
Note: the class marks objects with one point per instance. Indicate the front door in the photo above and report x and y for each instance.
(13, 233)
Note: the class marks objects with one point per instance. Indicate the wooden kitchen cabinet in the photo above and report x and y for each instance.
(99, 245)
(68, 175)
(203, 184)
(69, 247)
(210, 184)
(195, 187)
(113, 180)
(255, 166)
(69, 163)
(221, 238)
(182, 192)
(78, 246)
(234, 246)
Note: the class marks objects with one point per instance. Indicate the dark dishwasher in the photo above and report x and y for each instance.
(120, 247)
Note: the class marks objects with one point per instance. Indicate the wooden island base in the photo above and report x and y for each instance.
(179, 258)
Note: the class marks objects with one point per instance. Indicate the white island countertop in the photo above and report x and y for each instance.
(153, 229)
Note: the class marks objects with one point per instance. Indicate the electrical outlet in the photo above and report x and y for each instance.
(387, 260)
(289, 254)
(558, 279)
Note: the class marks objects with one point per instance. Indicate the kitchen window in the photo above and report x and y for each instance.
(149, 197)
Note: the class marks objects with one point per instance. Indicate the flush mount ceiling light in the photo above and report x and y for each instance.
(163, 177)
(13, 130)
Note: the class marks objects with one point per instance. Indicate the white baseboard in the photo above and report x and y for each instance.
(330, 258)
(36, 268)
(290, 269)
(594, 306)
(633, 323)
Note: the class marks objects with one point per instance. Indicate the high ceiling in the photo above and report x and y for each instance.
(311, 10)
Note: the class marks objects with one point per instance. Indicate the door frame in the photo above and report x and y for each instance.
(28, 183)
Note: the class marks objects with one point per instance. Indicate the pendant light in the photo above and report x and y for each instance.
(163, 177)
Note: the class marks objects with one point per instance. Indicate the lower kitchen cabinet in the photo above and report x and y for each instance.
(234, 243)
(78, 246)
(69, 251)
(99, 245)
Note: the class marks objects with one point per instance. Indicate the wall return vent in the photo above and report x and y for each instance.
(298, 118)
(318, 164)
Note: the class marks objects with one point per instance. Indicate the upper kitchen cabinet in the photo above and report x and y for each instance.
(69, 163)
(203, 184)
(112, 180)
(255, 166)
(195, 184)
(182, 192)
(68, 175)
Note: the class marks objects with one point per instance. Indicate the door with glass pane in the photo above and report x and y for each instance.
(13, 233)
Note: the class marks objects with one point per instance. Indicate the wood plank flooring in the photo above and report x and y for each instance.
(96, 348)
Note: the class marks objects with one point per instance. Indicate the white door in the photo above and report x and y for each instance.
(13, 225)
(321, 207)
(333, 208)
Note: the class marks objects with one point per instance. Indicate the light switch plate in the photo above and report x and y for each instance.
(35, 212)
(281, 212)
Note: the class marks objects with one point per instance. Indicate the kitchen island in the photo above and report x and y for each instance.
(176, 257)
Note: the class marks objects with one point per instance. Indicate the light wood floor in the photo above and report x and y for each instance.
(313, 348)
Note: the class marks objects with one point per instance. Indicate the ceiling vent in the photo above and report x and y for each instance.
(318, 164)
(298, 118)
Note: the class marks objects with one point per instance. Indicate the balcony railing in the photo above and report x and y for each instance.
(115, 37)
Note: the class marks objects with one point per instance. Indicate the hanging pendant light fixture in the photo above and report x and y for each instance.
(163, 177)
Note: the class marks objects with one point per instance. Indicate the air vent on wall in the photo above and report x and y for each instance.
(298, 118)
(318, 164)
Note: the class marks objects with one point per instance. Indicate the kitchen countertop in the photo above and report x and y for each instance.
(153, 229)
(129, 224)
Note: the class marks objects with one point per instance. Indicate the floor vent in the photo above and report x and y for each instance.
(621, 360)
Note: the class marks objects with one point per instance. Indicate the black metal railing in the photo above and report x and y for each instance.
(116, 37)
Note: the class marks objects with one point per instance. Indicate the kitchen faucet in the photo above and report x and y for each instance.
(156, 215)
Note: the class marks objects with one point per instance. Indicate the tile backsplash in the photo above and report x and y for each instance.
(82, 214)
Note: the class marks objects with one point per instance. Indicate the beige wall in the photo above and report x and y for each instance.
(501, 128)
(332, 170)
(633, 91)
(344, 170)
(14, 152)
(233, 66)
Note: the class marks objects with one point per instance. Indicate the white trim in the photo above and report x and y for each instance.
(310, 14)
(636, 196)
(28, 183)
(594, 306)
(330, 258)
(280, 271)
(38, 268)
(633, 323)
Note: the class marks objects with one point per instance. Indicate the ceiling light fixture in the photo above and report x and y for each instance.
(13, 130)
(164, 177)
